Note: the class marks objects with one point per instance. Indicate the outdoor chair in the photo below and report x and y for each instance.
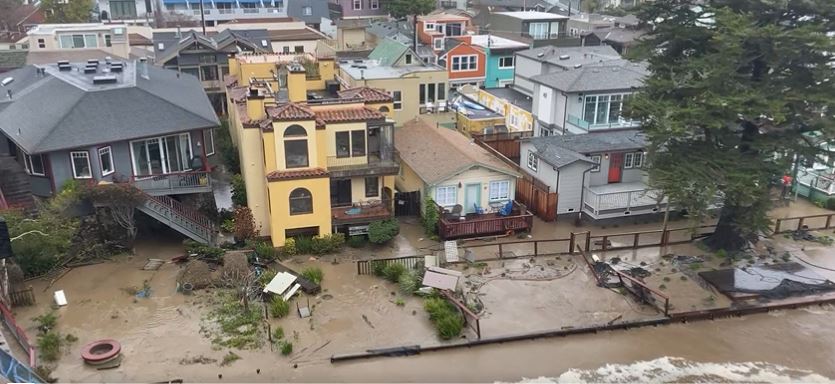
(507, 209)
(478, 210)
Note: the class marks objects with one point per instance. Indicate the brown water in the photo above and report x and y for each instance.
(359, 312)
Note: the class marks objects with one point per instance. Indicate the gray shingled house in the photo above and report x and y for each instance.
(119, 121)
(599, 173)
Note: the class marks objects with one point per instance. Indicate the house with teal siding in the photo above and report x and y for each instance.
(499, 57)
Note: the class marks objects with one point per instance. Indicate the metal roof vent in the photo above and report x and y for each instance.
(63, 62)
(7, 81)
(578, 65)
(564, 57)
(93, 62)
(64, 66)
(105, 79)
(116, 67)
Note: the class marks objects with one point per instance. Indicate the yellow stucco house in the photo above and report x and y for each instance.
(314, 159)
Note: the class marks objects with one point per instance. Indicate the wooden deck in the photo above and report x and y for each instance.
(359, 213)
(475, 225)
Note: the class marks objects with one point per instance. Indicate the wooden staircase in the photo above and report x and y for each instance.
(15, 189)
(180, 217)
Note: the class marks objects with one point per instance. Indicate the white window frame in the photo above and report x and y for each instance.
(109, 152)
(307, 10)
(470, 61)
(41, 43)
(438, 43)
(596, 160)
(598, 103)
(428, 27)
(164, 154)
(84, 37)
(357, 5)
(540, 35)
(639, 159)
(374, 4)
(210, 150)
(514, 120)
(30, 166)
(450, 197)
(533, 161)
(86, 155)
(397, 100)
(499, 190)
(628, 160)
(512, 62)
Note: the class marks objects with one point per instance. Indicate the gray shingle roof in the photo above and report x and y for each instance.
(63, 110)
(568, 57)
(610, 75)
(562, 150)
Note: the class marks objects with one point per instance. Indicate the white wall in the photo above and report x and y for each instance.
(526, 68)
(546, 104)
(309, 45)
(571, 187)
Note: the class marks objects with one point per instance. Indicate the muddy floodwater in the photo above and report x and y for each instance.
(161, 334)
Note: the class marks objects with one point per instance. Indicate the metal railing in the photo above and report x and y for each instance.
(588, 126)
(627, 200)
(19, 335)
(230, 11)
(386, 158)
(173, 181)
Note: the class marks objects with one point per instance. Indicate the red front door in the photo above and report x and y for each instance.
(615, 167)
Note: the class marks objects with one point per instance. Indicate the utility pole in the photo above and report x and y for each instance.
(202, 18)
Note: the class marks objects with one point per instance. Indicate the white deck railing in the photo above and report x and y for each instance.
(598, 203)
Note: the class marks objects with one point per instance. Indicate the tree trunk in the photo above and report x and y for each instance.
(728, 235)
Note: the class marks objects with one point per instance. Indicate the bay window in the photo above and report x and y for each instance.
(604, 109)
(161, 155)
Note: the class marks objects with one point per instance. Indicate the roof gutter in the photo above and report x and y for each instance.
(582, 195)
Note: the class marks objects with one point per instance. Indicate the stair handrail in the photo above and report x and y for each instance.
(184, 211)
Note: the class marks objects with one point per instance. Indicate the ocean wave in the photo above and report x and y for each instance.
(678, 370)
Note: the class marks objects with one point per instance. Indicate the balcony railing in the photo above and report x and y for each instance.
(382, 163)
(174, 183)
(361, 212)
(230, 12)
(452, 226)
(617, 203)
(585, 125)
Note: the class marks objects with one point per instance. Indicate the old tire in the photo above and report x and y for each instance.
(101, 351)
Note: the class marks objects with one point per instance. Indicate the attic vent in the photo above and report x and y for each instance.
(108, 59)
(6, 81)
(564, 57)
(108, 79)
(264, 43)
(358, 61)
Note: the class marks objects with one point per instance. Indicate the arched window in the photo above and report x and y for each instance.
(295, 147)
(301, 201)
(384, 109)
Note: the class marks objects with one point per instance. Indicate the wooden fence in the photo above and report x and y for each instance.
(23, 297)
(537, 197)
(366, 267)
(811, 222)
(505, 143)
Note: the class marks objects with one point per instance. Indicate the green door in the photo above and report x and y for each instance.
(472, 197)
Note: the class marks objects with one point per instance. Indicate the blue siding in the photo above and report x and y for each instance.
(493, 73)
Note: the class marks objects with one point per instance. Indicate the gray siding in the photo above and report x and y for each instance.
(41, 186)
(544, 172)
(62, 168)
(571, 188)
(631, 175)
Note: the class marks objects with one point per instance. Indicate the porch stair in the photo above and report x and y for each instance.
(14, 184)
(179, 217)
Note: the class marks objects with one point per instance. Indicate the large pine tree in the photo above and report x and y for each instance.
(733, 85)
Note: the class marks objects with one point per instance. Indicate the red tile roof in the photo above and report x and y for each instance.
(347, 115)
(238, 94)
(310, 173)
(373, 95)
(230, 80)
(290, 112)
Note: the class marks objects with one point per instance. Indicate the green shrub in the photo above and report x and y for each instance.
(229, 358)
(265, 251)
(228, 153)
(393, 271)
(289, 248)
(430, 217)
(304, 245)
(266, 277)
(446, 318)
(378, 268)
(49, 346)
(279, 308)
(278, 334)
(399, 302)
(313, 274)
(382, 231)
(46, 322)
(204, 251)
(238, 190)
(327, 243)
(409, 282)
(356, 241)
(286, 347)
(228, 225)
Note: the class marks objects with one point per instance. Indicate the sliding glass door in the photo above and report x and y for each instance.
(161, 155)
